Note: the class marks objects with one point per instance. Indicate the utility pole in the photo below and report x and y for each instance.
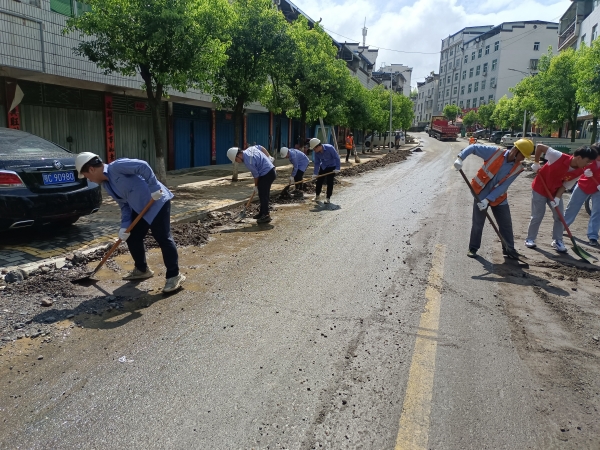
(391, 95)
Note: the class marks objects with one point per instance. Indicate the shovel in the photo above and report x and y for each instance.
(576, 249)
(286, 189)
(242, 214)
(487, 214)
(87, 278)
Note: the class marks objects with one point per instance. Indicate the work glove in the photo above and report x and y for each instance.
(336, 171)
(554, 203)
(535, 167)
(588, 173)
(156, 195)
(482, 205)
(271, 159)
(292, 181)
(256, 189)
(123, 234)
(458, 164)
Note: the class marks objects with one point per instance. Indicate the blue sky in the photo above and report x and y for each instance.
(419, 26)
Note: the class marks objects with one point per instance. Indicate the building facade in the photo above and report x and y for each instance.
(427, 99)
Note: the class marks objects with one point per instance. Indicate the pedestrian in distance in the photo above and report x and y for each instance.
(349, 145)
(299, 163)
(560, 173)
(327, 160)
(500, 168)
(132, 183)
(260, 164)
(588, 184)
(397, 140)
(472, 140)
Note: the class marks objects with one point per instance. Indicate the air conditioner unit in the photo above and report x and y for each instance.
(493, 84)
(484, 73)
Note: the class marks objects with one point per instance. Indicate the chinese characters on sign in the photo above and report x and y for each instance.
(14, 119)
(110, 129)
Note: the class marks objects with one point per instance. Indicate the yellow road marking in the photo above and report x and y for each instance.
(413, 433)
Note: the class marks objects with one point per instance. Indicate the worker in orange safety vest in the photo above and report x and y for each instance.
(500, 169)
(349, 145)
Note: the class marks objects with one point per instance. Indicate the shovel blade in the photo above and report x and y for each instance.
(85, 280)
(583, 254)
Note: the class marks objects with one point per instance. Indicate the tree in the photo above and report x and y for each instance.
(470, 118)
(451, 112)
(402, 112)
(256, 29)
(172, 44)
(588, 86)
(318, 79)
(485, 113)
(509, 113)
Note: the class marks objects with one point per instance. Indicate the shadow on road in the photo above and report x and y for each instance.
(325, 207)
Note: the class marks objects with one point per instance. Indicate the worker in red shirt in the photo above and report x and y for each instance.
(589, 184)
(560, 173)
(349, 145)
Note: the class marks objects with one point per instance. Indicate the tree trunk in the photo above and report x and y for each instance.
(363, 144)
(238, 114)
(277, 136)
(573, 122)
(154, 99)
(303, 127)
(594, 129)
(356, 157)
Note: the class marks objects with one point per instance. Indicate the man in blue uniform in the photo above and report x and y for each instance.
(132, 183)
(260, 164)
(327, 160)
(299, 163)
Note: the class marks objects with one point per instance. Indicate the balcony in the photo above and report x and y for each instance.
(568, 36)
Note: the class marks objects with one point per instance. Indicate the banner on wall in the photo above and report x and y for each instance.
(110, 128)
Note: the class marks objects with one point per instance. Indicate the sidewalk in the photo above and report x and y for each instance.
(197, 192)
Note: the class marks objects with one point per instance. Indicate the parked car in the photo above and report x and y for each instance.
(379, 139)
(497, 135)
(508, 140)
(481, 134)
(39, 183)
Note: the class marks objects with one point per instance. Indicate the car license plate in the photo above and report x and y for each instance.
(58, 177)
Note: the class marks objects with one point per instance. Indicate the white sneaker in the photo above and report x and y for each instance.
(174, 283)
(137, 274)
(317, 198)
(559, 246)
(530, 243)
(327, 200)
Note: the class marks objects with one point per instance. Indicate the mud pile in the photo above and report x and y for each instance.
(390, 158)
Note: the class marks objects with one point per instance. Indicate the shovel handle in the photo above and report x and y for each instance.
(116, 244)
(312, 179)
(250, 200)
(558, 213)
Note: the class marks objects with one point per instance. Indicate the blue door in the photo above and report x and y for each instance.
(284, 130)
(225, 127)
(258, 129)
(201, 136)
(183, 143)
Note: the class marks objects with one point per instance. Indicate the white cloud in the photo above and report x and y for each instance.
(420, 26)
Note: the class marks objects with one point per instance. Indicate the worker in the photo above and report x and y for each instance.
(397, 140)
(327, 160)
(588, 185)
(299, 164)
(260, 164)
(560, 173)
(500, 169)
(349, 145)
(472, 140)
(132, 183)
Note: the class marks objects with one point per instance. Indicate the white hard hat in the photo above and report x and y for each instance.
(313, 143)
(283, 151)
(232, 152)
(82, 159)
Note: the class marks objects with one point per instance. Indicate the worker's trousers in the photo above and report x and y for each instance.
(264, 190)
(298, 177)
(577, 200)
(161, 231)
(503, 219)
(329, 178)
(538, 210)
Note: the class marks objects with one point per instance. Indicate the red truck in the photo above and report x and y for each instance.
(442, 130)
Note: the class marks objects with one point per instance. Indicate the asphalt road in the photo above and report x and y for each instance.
(360, 325)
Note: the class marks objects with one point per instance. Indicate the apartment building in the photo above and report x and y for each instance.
(579, 24)
(493, 61)
(427, 99)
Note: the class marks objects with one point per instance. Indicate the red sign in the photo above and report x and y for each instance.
(227, 116)
(110, 128)
(14, 119)
(213, 148)
(140, 106)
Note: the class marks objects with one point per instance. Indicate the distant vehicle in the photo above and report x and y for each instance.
(497, 135)
(481, 134)
(380, 139)
(508, 140)
(442, 130)
(39, 183)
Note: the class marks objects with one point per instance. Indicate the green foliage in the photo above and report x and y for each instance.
(485, 113)
(508, 113)
(470, 118)
(451, 112)
(402, 112)
(588, 81)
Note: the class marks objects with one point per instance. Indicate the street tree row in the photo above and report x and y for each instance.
(239, 52)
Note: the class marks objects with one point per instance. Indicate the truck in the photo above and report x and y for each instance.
(442, 130)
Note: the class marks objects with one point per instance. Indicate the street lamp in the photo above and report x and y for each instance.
(524, 111)
(391, 96)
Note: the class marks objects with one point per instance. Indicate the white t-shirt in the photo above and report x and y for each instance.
(554, 155)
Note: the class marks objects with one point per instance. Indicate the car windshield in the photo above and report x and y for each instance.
(23, 145)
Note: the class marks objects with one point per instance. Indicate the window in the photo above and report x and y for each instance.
(462, 90)
(533, 64)
(479, 53)
(583, 39)
(487, 49)
(490, 98)
(476, 87)
(483, 85)
(472, 56)
(449, 79)
(460, 103)
(456, 76)
(536, 46)
(466, 59)
(493, 83)
(481, 100)
(470, 88)
(468, 103)
(485, 66)
(475, 102)
(594, 32)
(68, 8)
(447, 92)
(455, 90)
(494, 64)
(454, 102)
(471, 72)
(464, 74)
(478, 70)
(450, 65)
(457, 63)
(451, 52)
(496, 46)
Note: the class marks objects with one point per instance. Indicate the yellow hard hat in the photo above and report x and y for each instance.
(525, 146)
